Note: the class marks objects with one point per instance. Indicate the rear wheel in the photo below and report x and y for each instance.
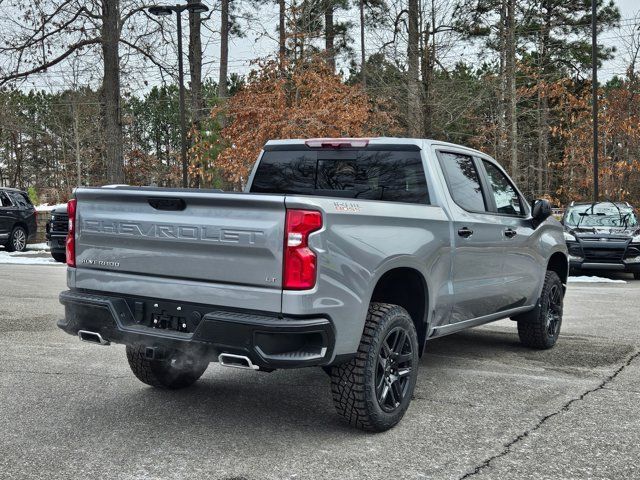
(59, 257)
(17, 240)
(540, 328)
(374, 389)
(174, 370)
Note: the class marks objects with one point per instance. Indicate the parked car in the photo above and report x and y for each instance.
(57, 228)
(343, 253)
(18, 221)
(603, 236)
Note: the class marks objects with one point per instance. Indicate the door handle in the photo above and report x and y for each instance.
(510, 233)
(465, 232)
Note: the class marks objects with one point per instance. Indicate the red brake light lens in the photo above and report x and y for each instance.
(300, 262)
(71, 234)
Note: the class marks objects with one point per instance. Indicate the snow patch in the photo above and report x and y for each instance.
(45, 207)
(589, 279)
(42, 247)
(26, 258)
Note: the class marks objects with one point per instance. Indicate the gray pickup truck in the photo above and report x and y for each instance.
(348, 254)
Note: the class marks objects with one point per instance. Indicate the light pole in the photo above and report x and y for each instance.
(163, 11)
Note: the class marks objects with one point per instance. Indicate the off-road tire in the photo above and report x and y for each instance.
(14, 245)
(353, 383)
(534, 328)
(160, 373)
(59, 257)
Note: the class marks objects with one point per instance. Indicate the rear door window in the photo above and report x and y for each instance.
(388, 175)
(19, 199)
(463, 181)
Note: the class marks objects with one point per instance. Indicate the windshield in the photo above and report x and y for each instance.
(601, 215)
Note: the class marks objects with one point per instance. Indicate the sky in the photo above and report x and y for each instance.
(261, 40)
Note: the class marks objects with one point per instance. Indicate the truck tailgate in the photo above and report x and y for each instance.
(199, 235)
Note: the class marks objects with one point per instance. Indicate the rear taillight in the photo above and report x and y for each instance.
(300, 262)
(71, 234)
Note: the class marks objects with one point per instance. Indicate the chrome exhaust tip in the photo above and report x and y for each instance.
(236, 361)
(92, 337)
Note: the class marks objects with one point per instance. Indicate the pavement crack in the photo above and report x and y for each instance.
(507, 448)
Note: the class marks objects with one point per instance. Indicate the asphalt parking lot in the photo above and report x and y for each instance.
(484, 406)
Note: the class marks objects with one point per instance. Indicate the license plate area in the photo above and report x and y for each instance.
(162, 315)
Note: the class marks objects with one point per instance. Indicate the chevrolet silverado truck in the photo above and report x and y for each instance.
(602, 236)
(347, 254)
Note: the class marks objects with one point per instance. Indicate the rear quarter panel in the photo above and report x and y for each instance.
(360, 241)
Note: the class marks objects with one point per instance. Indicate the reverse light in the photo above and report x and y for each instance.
(71, 235)
(337, 142)
(300, 262)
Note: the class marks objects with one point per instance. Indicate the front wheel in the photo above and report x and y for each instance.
(540, 328)
(374, 389)
(173, 371)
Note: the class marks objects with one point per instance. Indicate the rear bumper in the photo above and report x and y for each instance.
(269, 341)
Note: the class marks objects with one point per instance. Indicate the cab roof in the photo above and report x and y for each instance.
(419, 142)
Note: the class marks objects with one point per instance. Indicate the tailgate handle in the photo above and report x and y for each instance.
(171, 204)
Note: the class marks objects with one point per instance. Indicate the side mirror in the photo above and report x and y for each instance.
(541, 211)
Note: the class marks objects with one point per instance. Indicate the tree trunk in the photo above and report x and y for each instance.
(414, 107)
(329, 32)
(111, 91)
(543, 107)
(224, 49)
(511, 92)
(76, 138)
(282, 33)
(195, 67)
(363, 54)
(502, 47)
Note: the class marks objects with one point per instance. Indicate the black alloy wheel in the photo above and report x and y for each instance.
(393, 370)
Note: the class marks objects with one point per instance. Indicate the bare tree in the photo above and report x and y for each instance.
(48, 32)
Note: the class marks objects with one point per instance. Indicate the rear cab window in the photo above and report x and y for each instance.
(463, 181)
(391, 173)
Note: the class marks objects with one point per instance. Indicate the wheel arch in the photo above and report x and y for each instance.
(22, 224)
(559, 263)
(407, 287)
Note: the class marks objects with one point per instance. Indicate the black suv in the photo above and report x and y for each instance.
(57, 229)
(18, 223)
(603, 236)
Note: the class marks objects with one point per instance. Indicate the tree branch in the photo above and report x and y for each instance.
(55, 61)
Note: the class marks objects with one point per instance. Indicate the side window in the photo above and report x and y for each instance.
(507, 199)
(19, 200)
(4, 200)
(463, 181)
